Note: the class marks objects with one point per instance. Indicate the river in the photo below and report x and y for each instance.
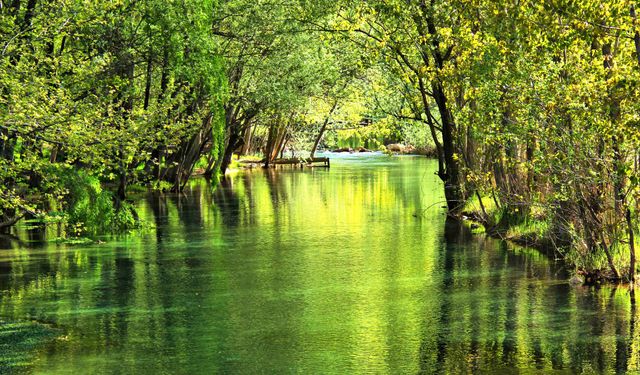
(347, 270)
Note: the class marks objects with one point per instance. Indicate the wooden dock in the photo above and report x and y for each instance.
(302, 162)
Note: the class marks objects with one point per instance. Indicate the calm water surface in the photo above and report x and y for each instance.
(348, 270)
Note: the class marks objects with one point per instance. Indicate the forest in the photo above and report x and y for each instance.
(531, 108)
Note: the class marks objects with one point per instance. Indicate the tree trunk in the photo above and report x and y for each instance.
(149, 76)
(607, 252)
(232, 144)
(7, 220)
(451, 178)
(248, 135)
(636, 35)
(280, 143)
(323, 129)
(531, 147)
(632, 247)
(126, 69)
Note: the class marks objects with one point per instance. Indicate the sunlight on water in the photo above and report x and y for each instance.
(347, 270)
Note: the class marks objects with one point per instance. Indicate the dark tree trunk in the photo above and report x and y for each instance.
(6, 146)
(271, 140)
(451, 177)
(8, 219)
(452, 184)
(149, 76)
(152, 167)
(531, 147)
(232, 145)
(632, 247)
(126, 67)
(29, 13)
(182, 163)
(164, 77)
(15, 7)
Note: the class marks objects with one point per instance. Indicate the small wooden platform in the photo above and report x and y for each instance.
(309, 162)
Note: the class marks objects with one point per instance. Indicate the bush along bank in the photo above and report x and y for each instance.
(592, 258)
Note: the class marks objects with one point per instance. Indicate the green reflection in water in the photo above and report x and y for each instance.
(348, 270)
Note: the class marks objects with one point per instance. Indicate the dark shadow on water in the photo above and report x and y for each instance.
(158, 203)
(456, 232)
(226, 200)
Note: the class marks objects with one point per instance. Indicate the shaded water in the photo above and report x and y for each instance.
(348, 270)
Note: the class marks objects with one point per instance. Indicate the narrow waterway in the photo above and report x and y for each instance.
(347, 270)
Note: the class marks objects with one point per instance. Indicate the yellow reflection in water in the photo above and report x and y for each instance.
(348, 270)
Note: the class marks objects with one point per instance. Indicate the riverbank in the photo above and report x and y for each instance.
(536, 230)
